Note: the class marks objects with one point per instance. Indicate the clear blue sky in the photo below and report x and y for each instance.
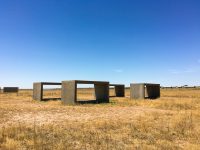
(120, 41)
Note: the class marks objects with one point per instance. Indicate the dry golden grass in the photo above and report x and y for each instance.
(171, 122)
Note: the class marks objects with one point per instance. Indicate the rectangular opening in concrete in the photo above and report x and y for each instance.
(112, 92)
(116, 90)
(51, 92)
(48, 94)
(88, 91)
(85, 92)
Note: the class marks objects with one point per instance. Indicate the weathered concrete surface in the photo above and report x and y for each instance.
(11, 89)
(144, 90)
(38, 90)
(69, 91)
(137, 91)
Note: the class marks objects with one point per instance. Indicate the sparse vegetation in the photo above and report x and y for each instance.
(171, 122)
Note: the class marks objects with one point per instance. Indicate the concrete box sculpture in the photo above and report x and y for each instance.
(144, 90)
(11, 89)
(38, 90)
(69, 91)
(119, 89)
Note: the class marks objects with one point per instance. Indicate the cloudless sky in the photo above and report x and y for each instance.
(121, 41)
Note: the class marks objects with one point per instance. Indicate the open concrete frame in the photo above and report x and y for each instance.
(119, 90)
(69, 91)
(144, 90)
(38, 90)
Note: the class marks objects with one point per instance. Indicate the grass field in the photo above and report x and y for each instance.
(171, 122)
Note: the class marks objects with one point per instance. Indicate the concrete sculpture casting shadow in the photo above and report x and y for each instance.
(69, 91)
(144, 91)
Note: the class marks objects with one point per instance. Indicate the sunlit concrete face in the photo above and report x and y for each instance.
(69, 91)
(144, 90)
(37, 91)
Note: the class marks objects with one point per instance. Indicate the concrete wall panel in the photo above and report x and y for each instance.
(37, 91)
(137, 91)
(102, 93)
(69, 92)
(144, 90)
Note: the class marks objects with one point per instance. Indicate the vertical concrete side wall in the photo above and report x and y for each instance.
(137, 91)
(37, 91)
(102, 93)
(68, 92)
(120, 91)
(153, 91)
